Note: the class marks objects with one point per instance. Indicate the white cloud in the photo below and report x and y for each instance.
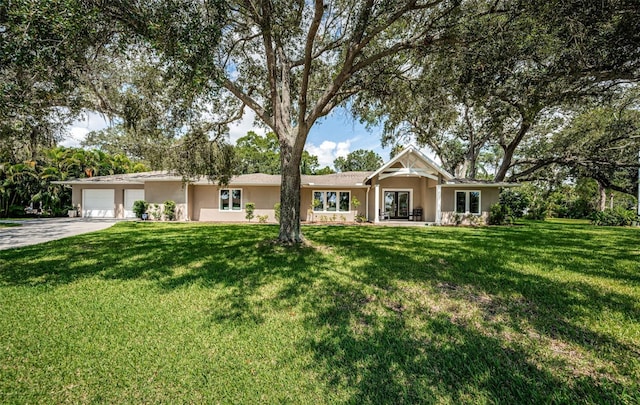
(328, 151)
(78, 130)
(240, 128)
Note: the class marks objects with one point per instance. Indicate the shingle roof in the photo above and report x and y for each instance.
(347, 179)
(336, 179)
(131, 178)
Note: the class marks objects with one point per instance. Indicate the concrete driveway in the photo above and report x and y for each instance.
(34, 231)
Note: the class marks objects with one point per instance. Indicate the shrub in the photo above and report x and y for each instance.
(361, 218)
(249, 208)
(537, 212)
(262, 218)
(140, 207)
(355, 202)
(500, 215)
(614, 217)
(276, 209)
(515, 201)
(170, 210)
(155, 211)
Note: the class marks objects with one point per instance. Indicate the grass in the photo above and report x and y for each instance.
(8, 224)
(192, 313)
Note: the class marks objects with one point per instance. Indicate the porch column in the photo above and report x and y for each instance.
(376, 212)
(438, 204)
(367, 203)
(186, 201)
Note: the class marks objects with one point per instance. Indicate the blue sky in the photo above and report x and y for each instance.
(333, 136)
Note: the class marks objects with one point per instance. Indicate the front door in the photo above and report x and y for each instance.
(396, 204)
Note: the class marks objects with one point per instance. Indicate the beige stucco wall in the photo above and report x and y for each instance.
(76, 195)
(157, 192)
(204, 203)
(306, 197)
(488, 197)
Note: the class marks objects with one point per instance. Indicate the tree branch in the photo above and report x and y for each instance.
(250, 102)
(304, 88)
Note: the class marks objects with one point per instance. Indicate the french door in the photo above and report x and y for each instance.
(396, 204)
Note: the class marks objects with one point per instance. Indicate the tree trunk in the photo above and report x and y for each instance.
(290, 157)
(510, 149)
(602, 201)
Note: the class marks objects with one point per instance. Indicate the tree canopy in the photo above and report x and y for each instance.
(358, 160)
(475, 80)
(505, 76)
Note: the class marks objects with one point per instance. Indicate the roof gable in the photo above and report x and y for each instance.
(411, 162)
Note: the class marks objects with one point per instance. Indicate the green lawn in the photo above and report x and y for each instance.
(193, 313)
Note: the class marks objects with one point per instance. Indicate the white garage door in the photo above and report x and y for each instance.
(129, 197)
(98, 203)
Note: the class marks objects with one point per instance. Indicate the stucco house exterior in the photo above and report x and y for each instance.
(408, 187)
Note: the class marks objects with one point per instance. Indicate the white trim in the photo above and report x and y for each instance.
(366, 213)
(406, 171)
(376, 214)
(467, 201)
(231, 189)
(411, 149)
(324, 205)
(409, 190)
(488, 185)
(186, 201)
(439, 204)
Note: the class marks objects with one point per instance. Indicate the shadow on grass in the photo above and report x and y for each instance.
(370, 338)
(486, 262)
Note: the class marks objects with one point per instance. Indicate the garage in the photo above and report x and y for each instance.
(130, 196)
(98, 203)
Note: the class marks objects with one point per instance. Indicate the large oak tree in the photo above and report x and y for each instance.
(291, 62)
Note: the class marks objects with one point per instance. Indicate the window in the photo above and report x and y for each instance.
(331, 201)
(468, 202)
(230, 199)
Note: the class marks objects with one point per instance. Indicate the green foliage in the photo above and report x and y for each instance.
(140, 207)
(261, 154)
(30, 182)
(169, 210)
(358, 160)
(258, 154)
(355, 202)
(249, 208)
(516, 202)
(500, 214)
(361, 218)
(325, 170)
(614, 217)
(276, 210)
(537, 211)
(263, 219)
(154, 210)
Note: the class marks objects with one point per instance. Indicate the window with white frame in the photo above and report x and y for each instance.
(331, 201)
(230, 199)
(468, 202)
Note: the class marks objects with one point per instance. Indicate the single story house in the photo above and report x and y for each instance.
(408, 187)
